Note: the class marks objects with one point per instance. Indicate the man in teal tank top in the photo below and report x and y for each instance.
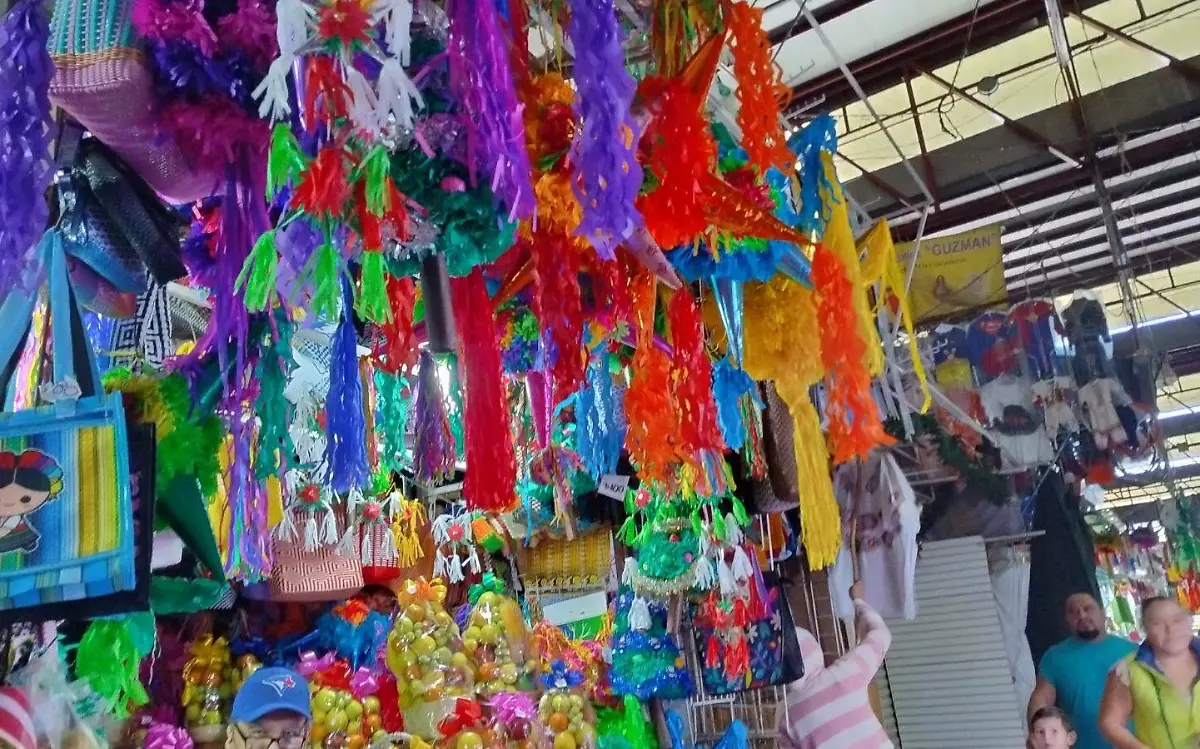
(1072, 674)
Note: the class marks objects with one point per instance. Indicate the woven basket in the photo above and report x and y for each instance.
(102, 80)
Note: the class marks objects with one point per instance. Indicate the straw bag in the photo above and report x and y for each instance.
(102, 80)
(325, 574)
(67, 461)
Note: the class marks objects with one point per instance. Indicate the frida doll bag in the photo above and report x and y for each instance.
(66, 510)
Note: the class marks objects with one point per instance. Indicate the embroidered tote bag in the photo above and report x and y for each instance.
(66, 512)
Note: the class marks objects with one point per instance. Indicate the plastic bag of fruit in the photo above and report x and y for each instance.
(565, 709)
(495, 639)
(206, 688)
(425, 653)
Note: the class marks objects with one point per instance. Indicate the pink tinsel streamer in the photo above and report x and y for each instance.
(214, 130)
(251, 29)
(481, 79)
(487, 442)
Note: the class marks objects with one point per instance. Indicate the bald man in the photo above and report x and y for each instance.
(1072, 674)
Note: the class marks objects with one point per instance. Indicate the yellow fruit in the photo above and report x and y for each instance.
(415, 613)
(489, 634)
(561, 703)
(336, 721)
(355, 741)
(565, 741)
(324, 701)
(319, 732)
(459, 659)
(469, 740)
(193, 713)
(371, 704)
(425, 645)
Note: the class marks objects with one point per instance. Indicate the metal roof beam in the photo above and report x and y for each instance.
(1182, 67)
(1117, 168)
(1022, 131)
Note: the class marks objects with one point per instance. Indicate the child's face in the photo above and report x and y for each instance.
(1050, 733)
(18, 500)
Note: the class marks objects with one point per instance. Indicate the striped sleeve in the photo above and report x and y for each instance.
(858, 666)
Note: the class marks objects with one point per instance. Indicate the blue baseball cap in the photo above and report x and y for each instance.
(270, 689)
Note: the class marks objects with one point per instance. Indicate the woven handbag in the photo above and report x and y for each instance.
(66, 506)
(102, 80)
(325, 574)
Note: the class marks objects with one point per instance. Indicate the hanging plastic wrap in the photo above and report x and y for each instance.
(488, 447)
(649, 406)
(600, 418)
(25, 131)
(433, 448)
(604, 156)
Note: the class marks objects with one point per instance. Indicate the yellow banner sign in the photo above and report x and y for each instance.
(956, 272)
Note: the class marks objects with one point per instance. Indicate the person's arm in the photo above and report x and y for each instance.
(859, 664)
(1115, 709)
(1044, 695)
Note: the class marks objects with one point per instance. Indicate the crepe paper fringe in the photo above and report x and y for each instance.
(681, 151)
(434, 449)
(649, 405)
(391, 416)
(482, 82)
(610, 176)
(558, 305)
(491, 479)
(760, 90)
(346, 443)
(692, 378)
(326, 278)
(854, 424)
(820, 518)
(25, 131)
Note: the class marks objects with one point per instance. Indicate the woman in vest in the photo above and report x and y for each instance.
(1157, 686)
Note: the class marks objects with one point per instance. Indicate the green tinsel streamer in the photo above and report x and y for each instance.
(286, 161)
(326, 286)
(372, 302)
(259, 272)
(374, 169)
(272, 406)
(394, 398)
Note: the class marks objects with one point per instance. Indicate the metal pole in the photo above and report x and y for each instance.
(862, 96)
(439, 316)
(1116, 246)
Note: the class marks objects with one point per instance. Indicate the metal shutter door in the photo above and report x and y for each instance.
(947, 671)
(887, 710)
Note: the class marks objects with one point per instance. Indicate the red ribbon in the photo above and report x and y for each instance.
(467, 714)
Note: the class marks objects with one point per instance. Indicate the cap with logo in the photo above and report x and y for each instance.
(268, 690)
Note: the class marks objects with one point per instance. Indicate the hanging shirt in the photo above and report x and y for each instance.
(1035, 322)
(989, 345)
(887, 520)
(1013, 423)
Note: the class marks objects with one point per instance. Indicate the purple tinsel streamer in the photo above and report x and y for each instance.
(25, 127)
(481, 80)
(345, 431)
(434, 451)
(610, 175)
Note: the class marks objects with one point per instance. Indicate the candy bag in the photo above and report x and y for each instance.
(206, 692)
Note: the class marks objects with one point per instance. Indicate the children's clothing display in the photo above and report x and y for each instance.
(1015, 425)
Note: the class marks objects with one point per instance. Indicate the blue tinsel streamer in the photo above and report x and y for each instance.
(729, 385)
(600, 415)
(346, 443)
(819, 135)
(25, 132)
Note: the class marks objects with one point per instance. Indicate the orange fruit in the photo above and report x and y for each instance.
(559, 722)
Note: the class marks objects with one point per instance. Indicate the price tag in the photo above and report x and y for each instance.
(613, 485)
